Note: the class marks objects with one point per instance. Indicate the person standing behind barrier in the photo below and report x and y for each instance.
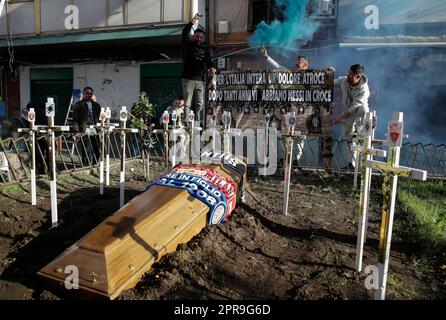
(196, 60)
(85, 113)
(302, 63)
(354, 102)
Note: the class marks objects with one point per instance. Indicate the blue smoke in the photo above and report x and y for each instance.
(296, 26)
(405, 79)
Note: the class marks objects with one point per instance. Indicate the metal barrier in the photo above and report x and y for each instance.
(71, 154)
(15, 154)
(429, 157)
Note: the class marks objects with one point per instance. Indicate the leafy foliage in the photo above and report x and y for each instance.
(141, 118)
(142, 112)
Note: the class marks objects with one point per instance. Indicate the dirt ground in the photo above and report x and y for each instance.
(258, 254)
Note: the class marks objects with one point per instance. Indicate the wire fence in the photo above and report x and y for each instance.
(71, 154)
(421, 204)
(75, 154)
(429, 157)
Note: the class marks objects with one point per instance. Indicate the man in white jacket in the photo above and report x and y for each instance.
(355, 94)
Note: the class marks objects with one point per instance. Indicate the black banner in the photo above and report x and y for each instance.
(254, 98)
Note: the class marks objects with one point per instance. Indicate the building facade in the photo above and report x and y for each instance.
(118, 47)
(121, 47)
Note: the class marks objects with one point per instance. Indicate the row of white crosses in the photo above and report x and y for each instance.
(175, 129)
(391, 170)
(105, 129)
(289, 135)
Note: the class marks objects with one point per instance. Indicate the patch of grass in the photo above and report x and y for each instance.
(306, 274)
(409, 293)
(328, 258)
(421, 265)
(67, 178)
(394, 281)
(336, 280)
(429, 189)
(10, 188)
(396, 287)
(424, 206)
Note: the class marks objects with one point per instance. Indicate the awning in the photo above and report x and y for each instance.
(398, 11)
(393, 41)
(170, 31)
(394, 17)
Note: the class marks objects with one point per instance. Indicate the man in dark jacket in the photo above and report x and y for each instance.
(85, 113)
(196, 61)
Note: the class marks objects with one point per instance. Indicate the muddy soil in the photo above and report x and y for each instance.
(258, 254)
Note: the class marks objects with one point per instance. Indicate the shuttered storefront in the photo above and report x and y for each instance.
(53, 82)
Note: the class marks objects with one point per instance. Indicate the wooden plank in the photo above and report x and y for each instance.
(88, 262)
(416, 174)
(151, 241)
(142, 209)
(188, 232)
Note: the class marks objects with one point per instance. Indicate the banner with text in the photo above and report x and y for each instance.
(257, 97)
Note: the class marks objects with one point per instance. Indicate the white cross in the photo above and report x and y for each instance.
(104, 128)
(123, 130)
(32, 131)
(108, 127)
(357, 150)
(175, 130)
(191, 134)
(226, 118)
(166, 119)
(50, 129)
(367, 152)
(289, 135)
(391, 171)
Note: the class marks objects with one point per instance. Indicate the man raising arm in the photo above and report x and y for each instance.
(196, 60)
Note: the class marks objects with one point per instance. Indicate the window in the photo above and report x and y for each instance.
(261, 10)
(322, 8)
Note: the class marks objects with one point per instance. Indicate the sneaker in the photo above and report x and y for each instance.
(297, 168)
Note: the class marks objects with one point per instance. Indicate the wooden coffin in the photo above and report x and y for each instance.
(113, 256)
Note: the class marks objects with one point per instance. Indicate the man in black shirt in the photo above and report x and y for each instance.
(196, 60)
